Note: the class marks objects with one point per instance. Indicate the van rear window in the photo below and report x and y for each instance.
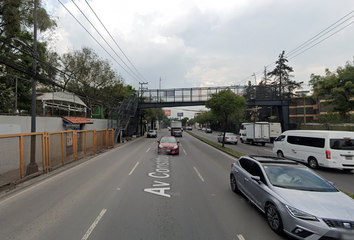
(307, 141)
(342, 144)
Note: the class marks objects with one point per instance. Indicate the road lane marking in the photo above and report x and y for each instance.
(147, 150)
(199, 175)
(153, 143)
(240, 237)
(181, 144)
(89, 231)
(184, 152)
(133, 168)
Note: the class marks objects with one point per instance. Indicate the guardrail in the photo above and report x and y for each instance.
(29, 154)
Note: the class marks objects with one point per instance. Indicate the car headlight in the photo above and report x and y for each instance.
(300, 214)
(175, 147)
(160, 146)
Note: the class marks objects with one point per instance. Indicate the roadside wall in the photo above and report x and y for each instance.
(22, 124)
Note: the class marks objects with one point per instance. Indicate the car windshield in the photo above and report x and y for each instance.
(168, 140)
(151, 131)
(296, 177)
(342, 144)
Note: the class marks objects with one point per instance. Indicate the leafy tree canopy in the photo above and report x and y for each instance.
(225, 104)
(337, 88)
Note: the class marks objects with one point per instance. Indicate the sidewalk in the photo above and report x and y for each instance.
(10, 181)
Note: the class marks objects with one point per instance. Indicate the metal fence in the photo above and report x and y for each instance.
(50, 151)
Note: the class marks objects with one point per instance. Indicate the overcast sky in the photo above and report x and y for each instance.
(199, 43)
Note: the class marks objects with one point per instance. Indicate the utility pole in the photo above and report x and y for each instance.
(32, 166)
(141, 99)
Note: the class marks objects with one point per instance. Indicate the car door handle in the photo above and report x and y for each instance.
(246, 179)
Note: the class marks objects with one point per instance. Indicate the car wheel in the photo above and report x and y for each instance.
(236, 143)
(251, 142)
(263, 144)
(233, 184)
(241, 140)
(313, 163)
(274, 219)
(280, 154)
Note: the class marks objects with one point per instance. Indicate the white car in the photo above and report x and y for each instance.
(229, 138)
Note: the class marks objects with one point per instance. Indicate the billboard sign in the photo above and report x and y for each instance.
(180, 114)
(167, 112)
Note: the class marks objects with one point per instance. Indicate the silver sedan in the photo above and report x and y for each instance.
(229, 138)
(294, 199)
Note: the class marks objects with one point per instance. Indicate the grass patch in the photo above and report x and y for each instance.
(217, 145)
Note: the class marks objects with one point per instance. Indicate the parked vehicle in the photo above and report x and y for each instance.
(152, 133)
(255, 132)
(229, 138)
(168, 145)
(274, 130)
(332, 149)
(294, 199)
(208, 130)
(199, 128)
(176, 129)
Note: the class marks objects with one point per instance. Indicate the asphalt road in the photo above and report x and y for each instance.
(342, 180)
(131, 192)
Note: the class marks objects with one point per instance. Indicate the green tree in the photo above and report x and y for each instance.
(284, 86)
(225, 104)
(337, 88)
(184, 121)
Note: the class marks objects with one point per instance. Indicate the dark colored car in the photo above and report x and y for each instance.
(152, 133)
(294, 199)
(208, 130)
(168, 145)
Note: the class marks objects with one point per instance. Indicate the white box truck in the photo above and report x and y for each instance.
(176, 129)
(255, 132)
(275, 130)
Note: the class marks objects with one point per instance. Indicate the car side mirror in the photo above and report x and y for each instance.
(177, 141)
(158, 141)
(256, 178)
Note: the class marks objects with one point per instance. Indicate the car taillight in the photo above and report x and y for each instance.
(227, 137)
(232, 165)
(328, 154)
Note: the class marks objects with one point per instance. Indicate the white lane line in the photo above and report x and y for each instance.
(199, 175)
(153, 143)
(89, 231)
(147, 150)
(240, 237)
(181, 144)
(184, 152)
(133, 168)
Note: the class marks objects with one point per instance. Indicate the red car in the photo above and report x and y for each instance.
(168, 145)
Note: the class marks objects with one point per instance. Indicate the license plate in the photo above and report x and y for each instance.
(168, 150)
(348, 158)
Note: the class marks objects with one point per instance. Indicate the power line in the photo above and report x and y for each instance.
(311, 40)
(97, 41)
(114, 40)
(103, 38)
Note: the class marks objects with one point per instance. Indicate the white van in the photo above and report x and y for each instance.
(332, 149)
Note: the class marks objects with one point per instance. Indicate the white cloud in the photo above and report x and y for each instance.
(192, 43)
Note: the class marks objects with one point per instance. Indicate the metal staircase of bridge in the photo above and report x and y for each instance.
(119, 118)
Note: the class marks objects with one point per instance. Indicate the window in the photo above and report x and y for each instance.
(280, 138)
(307, 141)
(246, 164)
(342, 144)
(256, 171)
